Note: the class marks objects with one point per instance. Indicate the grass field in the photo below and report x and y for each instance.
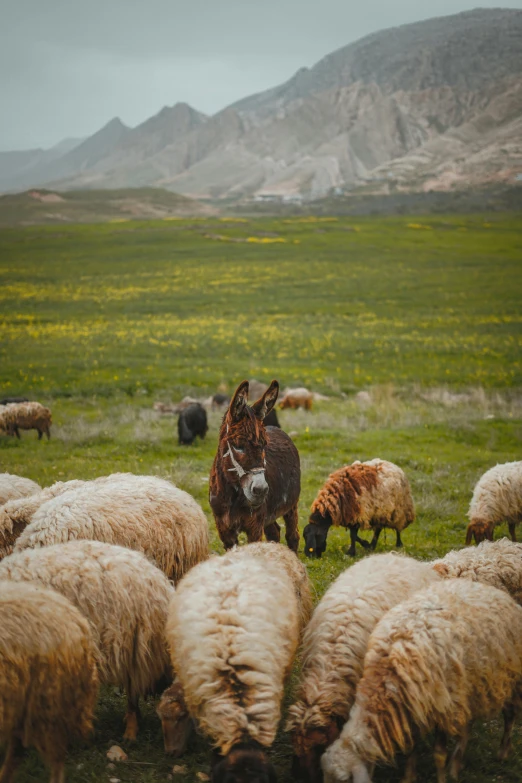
(99, 321)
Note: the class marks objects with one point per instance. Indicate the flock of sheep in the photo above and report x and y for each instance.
(111, 581)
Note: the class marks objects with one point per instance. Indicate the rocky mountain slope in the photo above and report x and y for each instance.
(431, 105)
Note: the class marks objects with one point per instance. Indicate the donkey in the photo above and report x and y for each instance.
(256, 476)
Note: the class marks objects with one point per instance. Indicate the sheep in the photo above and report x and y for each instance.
(233, 630)
(360, 496)
(8, 400)
(13, 487)
(145, 513)
(125, 599)
(297, 398)
(192, 422)
(497, 498)
(25, 416)
(498, 564)
(16, 514)
(335, 644)
(48, 677)
(448, 655)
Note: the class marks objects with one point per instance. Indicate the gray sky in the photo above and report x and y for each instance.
(68, 66)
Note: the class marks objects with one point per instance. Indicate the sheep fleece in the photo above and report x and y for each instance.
(13, 487)
(497, 496)
(233, 629)
(48, 679)
(123, 596)
(145, 513)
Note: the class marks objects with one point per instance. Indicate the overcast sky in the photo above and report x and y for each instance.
(68, 66)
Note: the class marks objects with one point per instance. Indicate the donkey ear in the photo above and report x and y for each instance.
(239, 401)
(265, 403)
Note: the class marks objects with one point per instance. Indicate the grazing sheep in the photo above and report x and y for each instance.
(335, 644)
(219, 401)
(8, 400)
(13, 487)
(361, 496)
(448, 655)
(26, 416)
(498, 564)
(233, 630)
(497, 498)
(192, 422)
(125, 599)
(145, 513)
(48, 679)
(297, 398)
(17, 514)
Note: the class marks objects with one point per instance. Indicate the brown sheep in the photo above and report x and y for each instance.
(297, 398)
(26, 416)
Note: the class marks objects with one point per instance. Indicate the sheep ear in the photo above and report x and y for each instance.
(264, 404)
(237, 407)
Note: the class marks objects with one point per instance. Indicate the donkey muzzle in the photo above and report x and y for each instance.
(255, 487)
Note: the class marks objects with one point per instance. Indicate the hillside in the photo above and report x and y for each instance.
(428, 106)
(92, 206)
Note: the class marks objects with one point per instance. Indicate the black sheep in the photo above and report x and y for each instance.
(192, 421)
(271, 420)
(9, 400)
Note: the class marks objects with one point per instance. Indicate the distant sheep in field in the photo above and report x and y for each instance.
(297, 398)
(8, 400)
(15, 515)
(192, 422)
(125, 599)
(233, 631)
(48, 678)
(450, 654)
(25, 416)
(334, 646)
(497, 563)
(145, 513)
(497, 498)
(220, 402)
(13, 487)
(363, 496)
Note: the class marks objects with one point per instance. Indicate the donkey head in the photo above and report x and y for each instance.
(243, 442)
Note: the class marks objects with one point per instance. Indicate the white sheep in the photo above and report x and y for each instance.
(335, 644)
(48, 678)
(497, 563)
(13, 487)
(145, 513)
(125, 599)
(448, 655)
(497, 498)
(233, 630)
(362, 496)
(15, 515)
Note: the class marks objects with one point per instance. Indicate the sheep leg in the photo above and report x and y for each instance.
(227, 534)
(509, 714)
(440, 753)
(39, 434)
(17, 432)
(457, 756)
(398, 542)
(273, 532)
(13, 756)
(353, 539)
(410, 770)
(132, 718)
(512, 533)
(57, 773)
(291, 529)
(376, 534)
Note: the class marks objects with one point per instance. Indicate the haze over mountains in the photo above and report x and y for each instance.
(428, 106)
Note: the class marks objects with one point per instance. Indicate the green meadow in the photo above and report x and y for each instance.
(100, 321)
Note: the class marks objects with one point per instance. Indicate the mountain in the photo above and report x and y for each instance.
(426, 106)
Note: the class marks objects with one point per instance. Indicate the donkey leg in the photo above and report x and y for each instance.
(273, 532)
(291, 528)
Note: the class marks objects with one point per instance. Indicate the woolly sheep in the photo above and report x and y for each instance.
(497, 498)
(498, 564)
(448, 655)
(125, 599)
(361, 496)
(26, 416)
(335, 644)
(297, 398)
(16, 514)
(233, 630)
(48, 679)
(13, 487)
(145, 513)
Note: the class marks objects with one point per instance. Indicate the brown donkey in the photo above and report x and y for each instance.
(256, 476)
